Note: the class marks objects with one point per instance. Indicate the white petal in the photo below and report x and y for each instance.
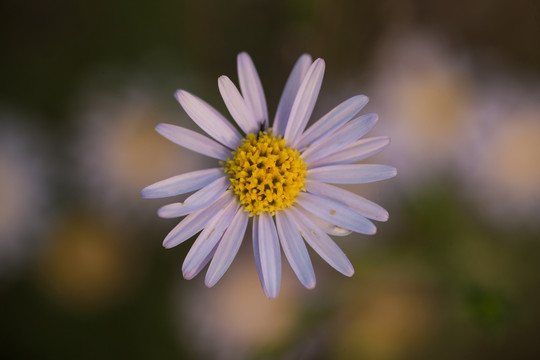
(237, 106)
(207, 240)
(358, 150)
(179, 209)
(331, 121)
(182, 184)
(352, 173)
(347, 134)
(295, 250)
(321, 243)
(201, 199)
(197, 269)
(269, 254)
(227, 248)
(304, 102)
(209, 119)
(257, 253)
(361, 205)
(251, 87)
(329, 228)
(336, 213)
(193, 141)
(196, 221)
(289, 93)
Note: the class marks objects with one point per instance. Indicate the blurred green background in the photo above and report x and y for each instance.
(452, 275)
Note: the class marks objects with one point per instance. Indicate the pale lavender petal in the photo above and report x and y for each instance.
(241, 113)
(304, 102)
(208, 239)
(321, 243)
(295, 250)
(257, 253)
(193, 141)
(335, 213)
(179, 209)
(356, 202)
(331, 121)
(352, 173)
(197, 269)
(201, 199)
(358, 150)
(270, 254)
(329, 228)
(209, 119)
(196, 221)
(289, 93)
(347, 134)
(182, 184)
(227, 248)
(251, 87)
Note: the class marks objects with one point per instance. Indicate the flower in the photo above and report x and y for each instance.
(277, 175)
(115, 153)
(84, 266)
(24, 190)
(259, 323)
(428, 93)
(501, 172)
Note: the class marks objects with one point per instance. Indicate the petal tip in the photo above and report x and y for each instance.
(179, 93)
(164, 213)
(373, 117)
(209, 281)
(167, 243)
(146, 193)
(319, 65)
(272, 295)
(188, 275)
(362, 99)
(311, 284)
(163, 128)
(243, 56)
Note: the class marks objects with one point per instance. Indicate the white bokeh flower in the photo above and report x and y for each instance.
(117, 154)
(278, 174)
(426, 92)
(502, 171)
(207, 318)
(24, 190)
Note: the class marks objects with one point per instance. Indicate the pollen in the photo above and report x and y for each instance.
(265, 174)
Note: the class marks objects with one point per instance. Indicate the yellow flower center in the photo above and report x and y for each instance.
(265, 174)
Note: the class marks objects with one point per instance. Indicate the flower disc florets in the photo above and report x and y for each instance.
(265, 174)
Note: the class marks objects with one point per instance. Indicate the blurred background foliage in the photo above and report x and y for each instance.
(454, 272)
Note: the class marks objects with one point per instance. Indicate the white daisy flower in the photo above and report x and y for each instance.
(278, 174)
